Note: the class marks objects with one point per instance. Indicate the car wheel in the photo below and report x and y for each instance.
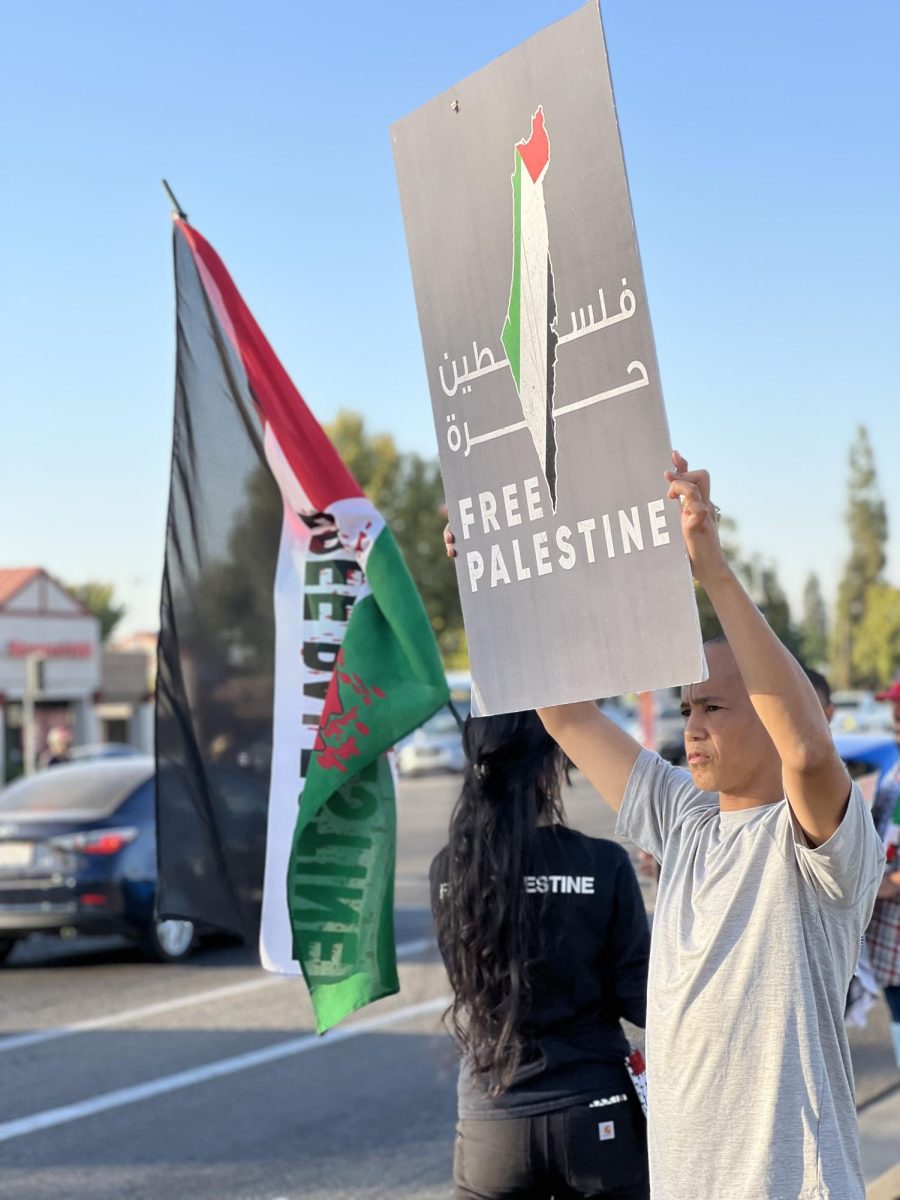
(169, 941)
(6, 947)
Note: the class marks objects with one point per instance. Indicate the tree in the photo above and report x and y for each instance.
(814, 627)
(867, 525)
(709, 622)
(761, 580)
(98, 599)
(765, 588)
(876, 646)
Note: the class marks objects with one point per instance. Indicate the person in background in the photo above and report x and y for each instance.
(59, 739)
(544, 936)
(883, 933)
(822, 688)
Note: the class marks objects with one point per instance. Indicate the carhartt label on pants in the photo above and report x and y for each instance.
(607, 1130)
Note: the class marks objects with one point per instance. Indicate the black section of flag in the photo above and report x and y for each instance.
(216, 647)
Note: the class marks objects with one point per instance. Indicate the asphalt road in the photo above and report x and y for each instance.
(121, 1079)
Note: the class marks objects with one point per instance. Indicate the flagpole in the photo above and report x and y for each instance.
(176, 207)
(456, 716)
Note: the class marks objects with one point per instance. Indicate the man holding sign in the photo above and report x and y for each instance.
(770, 865)
(574, 583)
(769, 871)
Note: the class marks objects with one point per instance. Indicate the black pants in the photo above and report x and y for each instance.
(559, 1155)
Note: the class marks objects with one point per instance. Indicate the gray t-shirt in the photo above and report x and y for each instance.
(755, 938)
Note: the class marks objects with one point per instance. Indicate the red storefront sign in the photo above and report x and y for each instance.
(55, 650)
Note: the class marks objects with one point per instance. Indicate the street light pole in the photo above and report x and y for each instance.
(34, 687)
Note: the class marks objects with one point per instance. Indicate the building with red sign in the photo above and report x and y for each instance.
(96, 694)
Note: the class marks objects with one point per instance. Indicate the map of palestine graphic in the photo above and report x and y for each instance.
(529, 334)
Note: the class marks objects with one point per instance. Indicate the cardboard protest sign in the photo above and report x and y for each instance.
(544, 382)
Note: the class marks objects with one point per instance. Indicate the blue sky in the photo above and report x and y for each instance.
(762, 150)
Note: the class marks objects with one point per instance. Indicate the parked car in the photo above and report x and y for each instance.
(78, 854)
(868, 758)
(437, 745)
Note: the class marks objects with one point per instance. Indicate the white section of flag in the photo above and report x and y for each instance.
(289, 737)
(359, 525)
(534, 310)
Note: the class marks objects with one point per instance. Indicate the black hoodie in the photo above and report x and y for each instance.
(592, 972)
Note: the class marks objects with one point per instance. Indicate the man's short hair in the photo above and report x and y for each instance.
(718, 639)
(821, 685)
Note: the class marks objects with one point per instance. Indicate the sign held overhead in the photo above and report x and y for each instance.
(543, 379)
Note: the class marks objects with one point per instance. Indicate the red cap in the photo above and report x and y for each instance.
(893, 692)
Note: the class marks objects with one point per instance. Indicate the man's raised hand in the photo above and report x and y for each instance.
(699, 519)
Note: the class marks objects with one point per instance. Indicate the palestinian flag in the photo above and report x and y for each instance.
(529, 334)
(294, 653)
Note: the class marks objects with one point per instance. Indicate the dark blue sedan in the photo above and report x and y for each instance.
(78, 856)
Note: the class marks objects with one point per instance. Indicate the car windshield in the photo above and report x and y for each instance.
(87, 790)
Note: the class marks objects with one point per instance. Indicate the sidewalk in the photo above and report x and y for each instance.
(879, 1131)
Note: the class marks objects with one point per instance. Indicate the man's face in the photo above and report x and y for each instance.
(726, 744)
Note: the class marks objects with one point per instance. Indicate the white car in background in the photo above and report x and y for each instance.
(859, 712)
(437, 745)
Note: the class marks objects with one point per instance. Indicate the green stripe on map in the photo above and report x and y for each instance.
(512, 329)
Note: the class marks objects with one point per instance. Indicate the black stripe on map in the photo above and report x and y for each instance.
(552, 338)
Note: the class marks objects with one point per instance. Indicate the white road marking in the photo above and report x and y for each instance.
(54, 1117)
(39, 1036)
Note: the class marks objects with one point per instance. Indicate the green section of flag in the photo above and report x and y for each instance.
(387, 681)
(512, 329)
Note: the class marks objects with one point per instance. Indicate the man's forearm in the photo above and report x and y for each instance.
(783, 697)
(603, 752)
(815, 780)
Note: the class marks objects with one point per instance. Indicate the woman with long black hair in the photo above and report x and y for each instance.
(545, 940)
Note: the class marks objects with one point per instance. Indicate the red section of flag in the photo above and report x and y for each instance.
(311, 455)
(336, 741)
(535, 152)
